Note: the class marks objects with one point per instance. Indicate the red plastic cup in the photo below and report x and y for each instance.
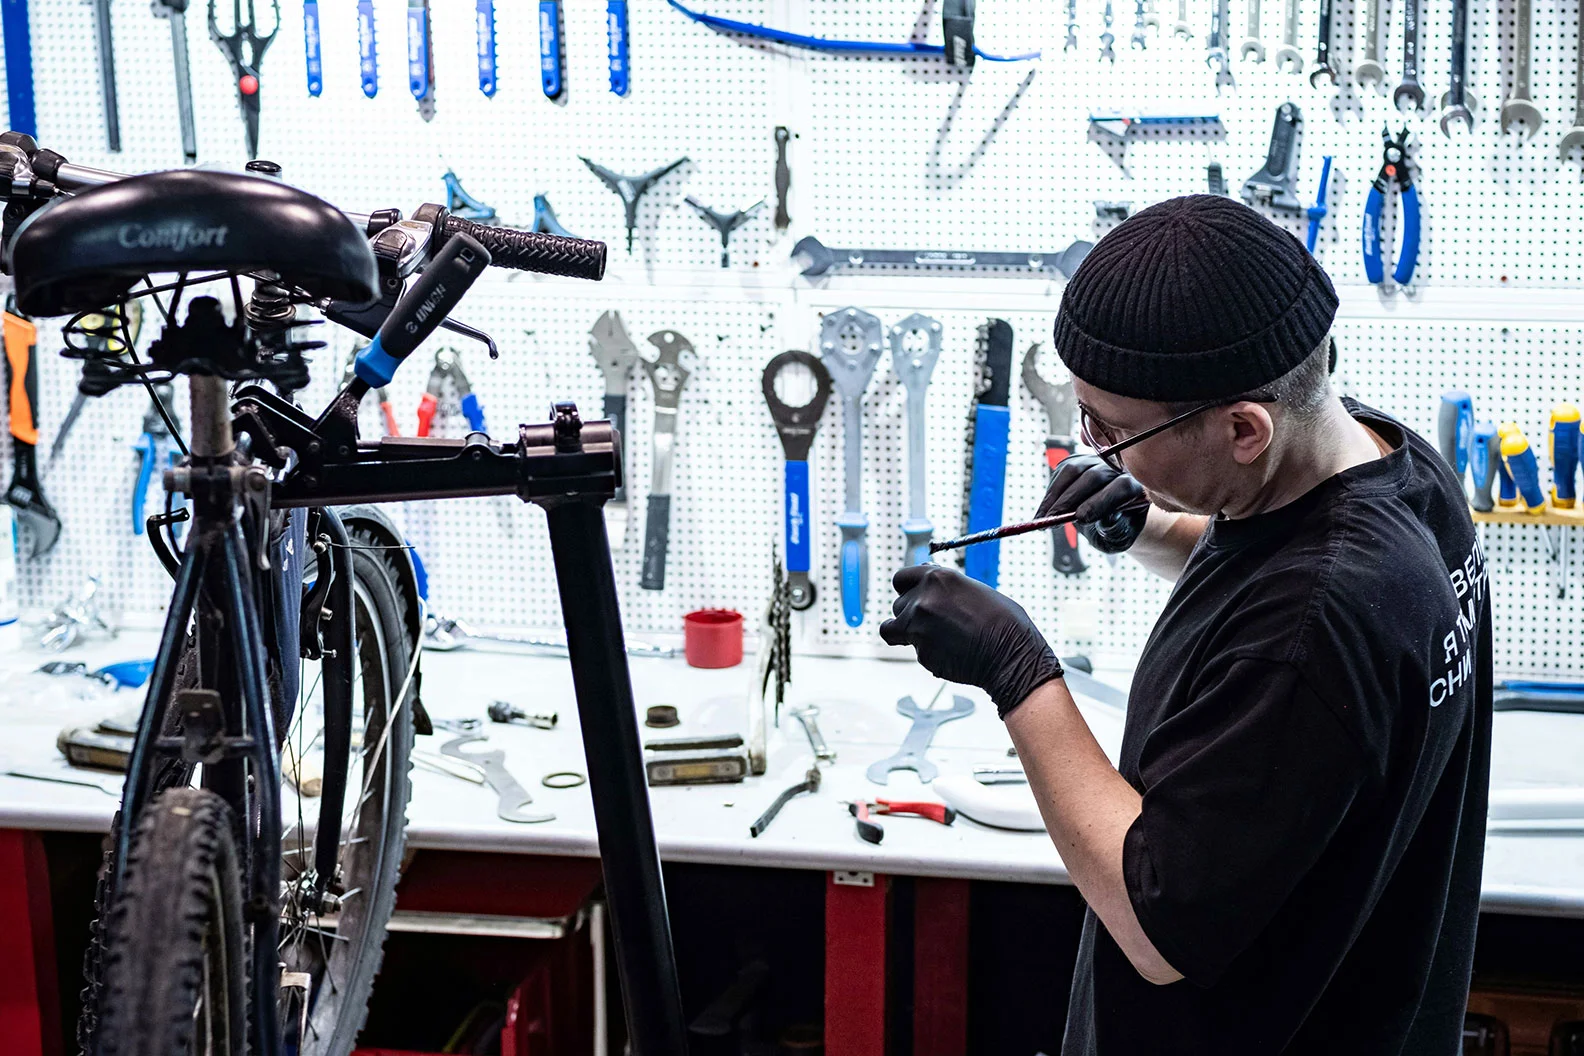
(713, 638)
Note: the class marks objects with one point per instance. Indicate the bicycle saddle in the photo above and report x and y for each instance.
(87, 251)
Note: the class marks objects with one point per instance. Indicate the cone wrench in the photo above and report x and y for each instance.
(913, 368)
(1458, 103)
(1220, 16)
(1369, 73)
(1324, 67)
(1409, 91)
(850, 348)
(668, 372)
(1287, 55)
(1519, 108)
(1251, 44)
(1575, 135)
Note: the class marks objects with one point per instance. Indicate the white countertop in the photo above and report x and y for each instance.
(1541, 873)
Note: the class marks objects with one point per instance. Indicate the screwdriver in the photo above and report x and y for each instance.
(1484, 461)
(1024, 527)
(1454, 430)
(1564, 429)
(1507, 492)
(1519, 458)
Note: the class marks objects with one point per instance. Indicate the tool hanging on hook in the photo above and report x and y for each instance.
(550, 71)
(615, 354)
(724, 223)
(989, 427)
(631, 189)
(107, 74)
(850, 348)
(368, 57)
(796, 424)
(668, 373)
(420, 58)
(915, 348)
(618, 60)
(244, 47)
(484, 18)
(175, 11)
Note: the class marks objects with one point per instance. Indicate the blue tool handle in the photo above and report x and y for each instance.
(854, 566)
(312, 47)
(1525, 470)
(145, 451)
(1569, 689)
(473, 411)
(1484, 458)
(486, 46)
(550, 47)
(1455, 429)
(916, 532)
(987, 491)
(616, 414)
(1506, 490)
(657, 535)
(798, 549)
(616, 45)
(19, 66)
(368, 62)
(1317, 211)
(422, 308)
(1564, 454)
(420, 573)
(1409, 254)
(128, 674)
(418, 51)
(1373, 203)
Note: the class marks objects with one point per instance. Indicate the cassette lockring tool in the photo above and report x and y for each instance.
(797, 373)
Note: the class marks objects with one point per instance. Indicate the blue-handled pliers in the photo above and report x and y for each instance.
(1394, 170)
(155, 438)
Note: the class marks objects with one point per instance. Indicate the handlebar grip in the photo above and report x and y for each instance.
(574, 258)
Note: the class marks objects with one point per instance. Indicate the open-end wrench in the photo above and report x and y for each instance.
(1252, 44)
(513, 796)
(1324, 67)
(1519, 107)
(1458, 102)
(1288, 58)
(1151, 19)
(913, 366)
(615, 354)
(1139, 39)
(1369, 73)
(850, 341)
(1107, 38)
(1409, 91)
(1220, 17)
(1181, 28)
(668, 372)
(1575, 135)
(1061, 408)
(911, 755)
(1072, 25)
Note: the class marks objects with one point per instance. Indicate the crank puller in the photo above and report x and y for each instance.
(796, 426)
(850, 348)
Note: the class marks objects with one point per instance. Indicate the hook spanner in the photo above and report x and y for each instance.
(850, 371)
(911, 755)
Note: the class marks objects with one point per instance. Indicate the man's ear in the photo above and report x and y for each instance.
(1252, 431)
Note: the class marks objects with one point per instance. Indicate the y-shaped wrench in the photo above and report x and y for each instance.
(1575, 135)
(1458, 103)
(1288, 55)
(850, 348)
(1252, 44)
(913, 368)
(1519, 107)
(1409, 91)
(1324, 66)
(1220, 16)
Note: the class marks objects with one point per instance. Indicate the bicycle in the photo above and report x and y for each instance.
(202, 945)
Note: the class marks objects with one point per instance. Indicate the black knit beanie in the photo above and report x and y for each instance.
(1193, 299)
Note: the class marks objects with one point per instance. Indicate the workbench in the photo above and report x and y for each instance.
(1538, 873)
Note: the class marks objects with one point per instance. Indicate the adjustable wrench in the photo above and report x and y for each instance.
(1324, 67)
(1575, 135)
(911, 755)
(176, 11)
(1519, 107)
(913, 368)
(513, 796)
(668, 372)
(1061, 408)
(615, 354)
(850, 348)
(1409, 90)
(1288, 59)
(1107, 38)
(1181, 28)
(808, 715)
(1220, 16)
(1252, 44)
(1458, 102)
(1369, 73)
(1139, 40)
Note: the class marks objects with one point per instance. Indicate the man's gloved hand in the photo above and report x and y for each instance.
(966, 632)
(1098, 492)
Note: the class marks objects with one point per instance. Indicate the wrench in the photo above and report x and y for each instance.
(1181, 27)
(1220, 16)
(513, 796)
(1107, 38)
(1369, 73)
(1061, 409)
(808, 715)
(1409, 90)
(615, 354)
(850, 348)
(1288, 52)
(911, 755)
(1139, 40)
(1252, 45)
(667, 373)
(1072, 25)
(1575, 135)
(913, 368)
(1519, 107)
(1458, 102)
(1151, 19)
(1325, 67)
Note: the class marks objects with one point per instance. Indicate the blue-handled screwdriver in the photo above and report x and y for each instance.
(1455, 430)
(1484, 463)
(1519, 458)
(1564, 430)
(1507, 491)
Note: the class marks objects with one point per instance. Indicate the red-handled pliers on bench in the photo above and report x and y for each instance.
(870, 831)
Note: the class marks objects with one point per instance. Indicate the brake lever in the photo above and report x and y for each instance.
(472, 332)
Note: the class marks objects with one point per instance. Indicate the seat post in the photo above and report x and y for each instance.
(211, 418)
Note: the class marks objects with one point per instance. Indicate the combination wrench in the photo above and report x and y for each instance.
(1519, 108)
(1072, 25)
(1288, 59)
(1139, 40)
(1324, 67)
(1252, 44)
(668, 372)
(1220, 17)
(1107, 38)
(1409, 91)
(1575, 135)
(1458, 103)
(850, 342)
(913, 367)
(1369, 73)
(1181, 28)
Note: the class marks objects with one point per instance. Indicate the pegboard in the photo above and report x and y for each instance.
(889, 153)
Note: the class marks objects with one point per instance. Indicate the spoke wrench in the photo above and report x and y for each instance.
(1324, 67)
(1519, 107)
(513, 796)
(850, 348)
(615, 354)
(1252, 44)
(913, 368)
(911, 755)
(1458, 103)
(668, 372)
(1272, 185)
(1061, 408)
(1288, 58)
(1369, 73)
(1575, 135)
(1220, 16)
(796, 425)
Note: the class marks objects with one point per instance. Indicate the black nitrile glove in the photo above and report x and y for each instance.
(966, 632)
(1098, 492)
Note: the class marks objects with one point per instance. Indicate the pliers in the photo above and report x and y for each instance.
(870, 830)
(448, 365)
(156, 436)
(1394, 170)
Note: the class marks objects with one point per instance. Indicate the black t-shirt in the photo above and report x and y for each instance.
(1309, 727)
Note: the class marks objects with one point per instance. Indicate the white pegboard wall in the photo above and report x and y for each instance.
(890, 152)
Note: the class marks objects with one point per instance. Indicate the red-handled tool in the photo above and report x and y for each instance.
(870, 831)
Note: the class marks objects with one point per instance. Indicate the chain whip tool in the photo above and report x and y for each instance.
(176, 12)
(1324, 67)
(1107, 38)
(989, 425)
(1139, 39)
(615, 354)
(913, 367)
(1072, 25)
(796, 426)
(1288, 58)
(1220, 16)
(244, 48)
(1458, 103)
(1519, 108)
(850, 342)
(1061, 410)
(1252, 44)
(1575, 135)
(107, 74)
(1181, 28)
(420, 58)
(668, 372)
(1369, 73)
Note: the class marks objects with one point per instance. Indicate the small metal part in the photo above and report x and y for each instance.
(661, 717)
(505, 712)
(563, 779)
(1000, 775)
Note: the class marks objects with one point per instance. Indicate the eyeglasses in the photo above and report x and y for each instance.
(1100, 437)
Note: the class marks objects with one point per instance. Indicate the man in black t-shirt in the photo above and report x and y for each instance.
(1287, 857)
